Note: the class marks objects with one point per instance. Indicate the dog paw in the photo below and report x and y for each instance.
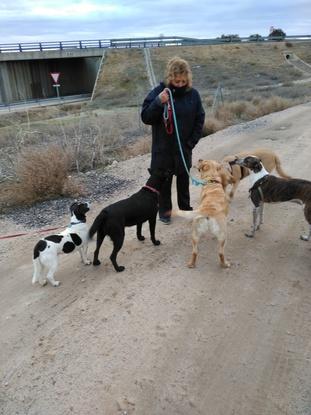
(304, 237)
(56, 283)
(141, 238)
(120, 269)
(226, 264)
(190, 265)
(156, 242)
(88, 262)
(43, 283)
(96, 262)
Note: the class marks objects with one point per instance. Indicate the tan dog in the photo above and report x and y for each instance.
(212, 211)
(268, 158)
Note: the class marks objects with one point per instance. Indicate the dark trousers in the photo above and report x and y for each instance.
(183, 195)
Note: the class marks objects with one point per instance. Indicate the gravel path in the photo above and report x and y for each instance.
(99, 187)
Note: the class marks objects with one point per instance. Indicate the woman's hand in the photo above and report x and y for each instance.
(164, 97)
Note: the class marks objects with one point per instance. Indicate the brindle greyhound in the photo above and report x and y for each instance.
(266, 188)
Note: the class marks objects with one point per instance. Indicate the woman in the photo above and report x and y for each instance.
(190, 117)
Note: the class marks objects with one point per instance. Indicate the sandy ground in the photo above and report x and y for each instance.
(160, 338)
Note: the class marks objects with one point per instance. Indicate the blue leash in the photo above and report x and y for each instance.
(194, 181)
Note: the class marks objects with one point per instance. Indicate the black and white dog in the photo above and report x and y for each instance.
(140, 207)
(74, 237)
(266, 188)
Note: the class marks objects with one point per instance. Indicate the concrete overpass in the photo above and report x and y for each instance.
(26, 75)
(25, 67)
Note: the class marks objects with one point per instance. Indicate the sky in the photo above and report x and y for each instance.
(59, 20)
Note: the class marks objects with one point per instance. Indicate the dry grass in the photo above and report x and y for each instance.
(80, 137)
(239, 111)
(141, 146)
(123, 81)
(93, 137)
(212, 124)
(41, 174)
(234, 66)
(37, 114)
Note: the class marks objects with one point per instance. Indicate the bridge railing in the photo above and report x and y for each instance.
(137, 42)
(62, 45)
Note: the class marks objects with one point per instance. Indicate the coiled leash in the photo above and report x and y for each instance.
(168, 118)
(169, 113)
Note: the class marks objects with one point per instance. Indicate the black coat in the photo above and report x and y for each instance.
(190, 117)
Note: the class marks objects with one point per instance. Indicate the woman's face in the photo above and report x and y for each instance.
(179, 80)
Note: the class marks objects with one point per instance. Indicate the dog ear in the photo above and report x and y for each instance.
(257, 166)
(199, 165)
(73, 205)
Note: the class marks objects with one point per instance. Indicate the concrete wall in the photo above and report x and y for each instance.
(23, 79)
(50, 54)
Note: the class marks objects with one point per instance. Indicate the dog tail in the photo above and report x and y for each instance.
(188, 214)
(279, 168)
(98, 223)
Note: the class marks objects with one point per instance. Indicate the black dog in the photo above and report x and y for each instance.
(140, 207)
(266, 188)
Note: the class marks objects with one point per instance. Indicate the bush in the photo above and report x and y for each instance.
(211, 125)
(273, 104)
(237, 111)
(44, 174)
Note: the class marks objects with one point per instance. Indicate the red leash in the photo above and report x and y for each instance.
(168, 118)
(28, 233)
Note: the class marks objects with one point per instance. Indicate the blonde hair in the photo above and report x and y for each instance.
(178, 66)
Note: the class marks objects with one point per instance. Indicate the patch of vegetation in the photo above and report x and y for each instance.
(123, 81)
(255, 80)
(41, 174)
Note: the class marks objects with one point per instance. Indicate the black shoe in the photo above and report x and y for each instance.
(165, 219)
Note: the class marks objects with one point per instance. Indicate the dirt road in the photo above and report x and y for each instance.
(160, 338)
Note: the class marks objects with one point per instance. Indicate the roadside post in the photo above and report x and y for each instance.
(56, 85)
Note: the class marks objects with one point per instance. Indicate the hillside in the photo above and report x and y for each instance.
(256, 79)
(124, 81)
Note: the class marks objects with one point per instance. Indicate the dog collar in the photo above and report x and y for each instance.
(207, 181)
(259, 182)
(152, 189)
(74, 223)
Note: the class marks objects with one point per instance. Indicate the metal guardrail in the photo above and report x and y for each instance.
(46, 46)
(87, 44)
(138, 42)
(13, 106)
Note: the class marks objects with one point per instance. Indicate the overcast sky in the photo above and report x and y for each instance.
(45, 20)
